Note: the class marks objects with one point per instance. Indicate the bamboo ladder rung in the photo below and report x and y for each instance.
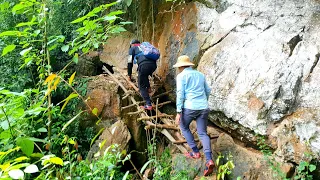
(153, 117)
(161, 126)
(196, 140)
(143, 113)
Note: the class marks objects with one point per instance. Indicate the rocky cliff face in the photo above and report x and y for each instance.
(260, 58)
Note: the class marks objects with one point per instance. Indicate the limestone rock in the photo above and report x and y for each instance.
(102, 94)
(116, 50)
(261, 59)
(89, 65)
(118, 133)
(249, 164)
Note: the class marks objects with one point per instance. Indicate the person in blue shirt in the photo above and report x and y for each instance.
(192, 104)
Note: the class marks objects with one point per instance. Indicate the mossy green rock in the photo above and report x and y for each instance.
(185, 168)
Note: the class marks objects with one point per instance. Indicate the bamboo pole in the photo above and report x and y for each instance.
(162, 94)
(152, 117)
(164, 120)
(143, 114)
(164, 103)
(131, 83)
(196, 140)
(161, 126)
(136, 112)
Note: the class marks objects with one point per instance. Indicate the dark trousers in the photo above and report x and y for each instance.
(201, 118)
(144, 71)
(130, 66)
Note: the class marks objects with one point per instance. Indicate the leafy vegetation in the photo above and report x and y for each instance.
(303, 170)
(39, 41)
(224, 170)
(269, 158)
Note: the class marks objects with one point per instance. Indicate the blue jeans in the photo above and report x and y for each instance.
(201, 118)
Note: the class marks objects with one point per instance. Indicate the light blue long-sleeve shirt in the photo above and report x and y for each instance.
(192, 90)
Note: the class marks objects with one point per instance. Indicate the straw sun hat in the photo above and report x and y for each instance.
(183, 61)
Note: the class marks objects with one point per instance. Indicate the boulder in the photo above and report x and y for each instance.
(116, 50)
(102, 94)
(249, 163)
(89, 65)
(118, 133)
(185, 166)
(261, 59)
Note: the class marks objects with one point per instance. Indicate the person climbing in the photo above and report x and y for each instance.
(146, 66)
(192, 104)
(133, 51)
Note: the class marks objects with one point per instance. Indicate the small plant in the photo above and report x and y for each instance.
(106, 167)
(163, 166)
(267, 154)
(224, 169)
(305, 168)
(181, 175)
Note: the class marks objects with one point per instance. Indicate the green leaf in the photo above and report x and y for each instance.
(145, 165)
(4, 125)
(70, 121)
(42, 130)
(31, 169)
(312, 167)
(26, 145)
(17, 7)
(36, 32)
(26, 24)
(8, 49)
(71, 78)
(302, 165)
(95, 137)
(125, 175)
(118, 29)
(37, 140)
(127, 22)
(19, 159)
(113, 13)
(56, 160)
(71, 96)
(16, 174)
(95, 111)
(79, 19)
(5, 135)
(36, 155)
(25, 51)
(4, 6)
(65, 48)
(110, 4)
(109, 18)
(75, 58)
(12, 33)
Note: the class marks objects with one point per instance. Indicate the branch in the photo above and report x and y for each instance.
(158, 116)
(161, 126)
(4, 112)
(184, 141)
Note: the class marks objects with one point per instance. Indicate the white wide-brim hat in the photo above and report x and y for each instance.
(183, 61)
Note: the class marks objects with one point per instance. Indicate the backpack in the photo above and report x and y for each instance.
(149, 51)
